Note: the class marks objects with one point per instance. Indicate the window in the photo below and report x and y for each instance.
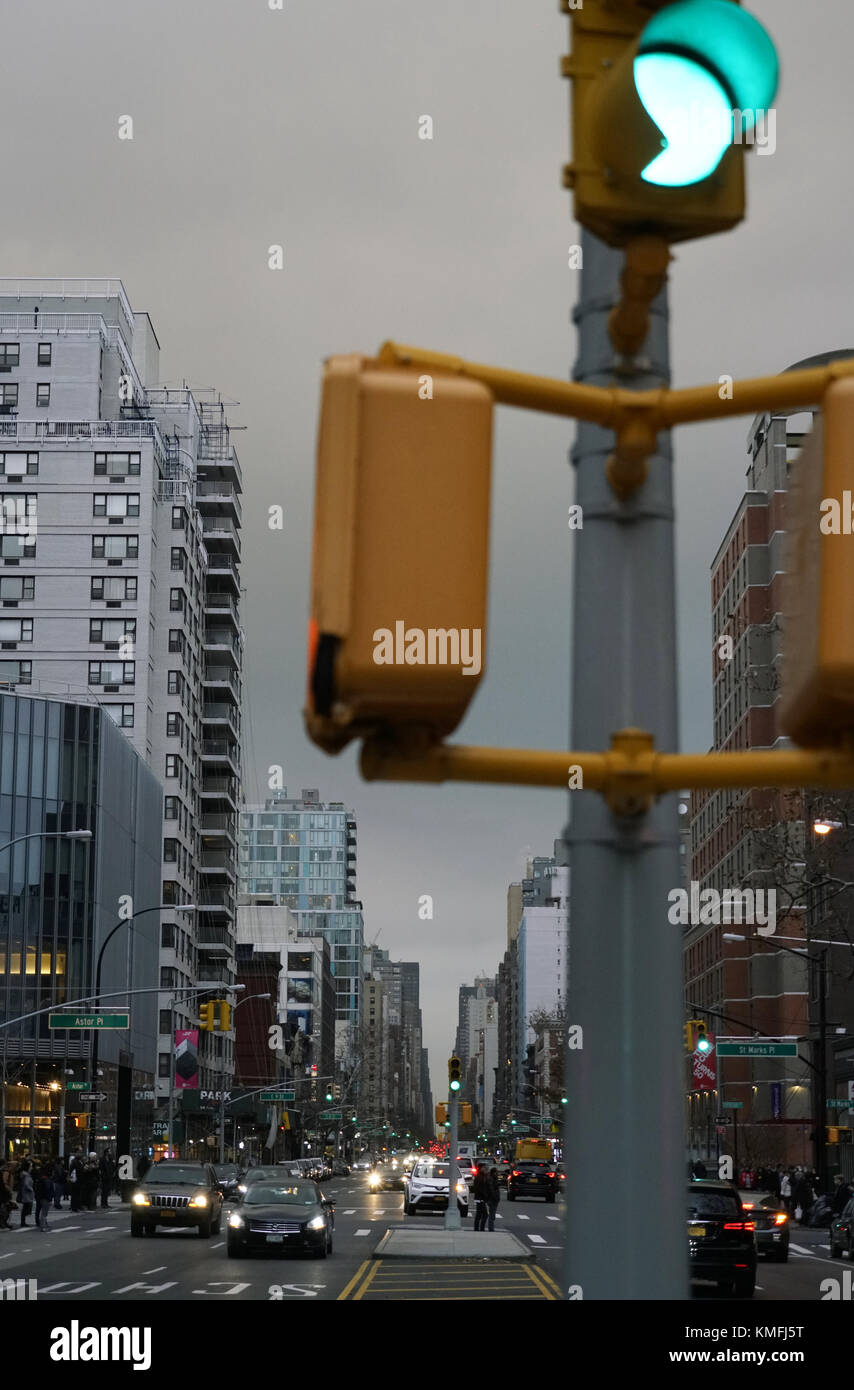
(17, 547)
(168, 977)
(179, 519)
(177, 600)
(115, 547)
(174, 683)
(113, 590)
(165, 1016)
(117, 465)
(16, 672)
(112, 672)
(112, 629)
(16, 629)
(45, 354)
(8, 396)
(176, 640)
(174, 725)
(43, 393)
(170, 809)
(10, 356)
(179, 559)
(121, 715)
(15, 589)
(115, 504)
(172, 761)
(170, 851)
(163, 1062)
(10, 464)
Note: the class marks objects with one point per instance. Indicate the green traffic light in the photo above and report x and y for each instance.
(455, 1085)
(701, 64)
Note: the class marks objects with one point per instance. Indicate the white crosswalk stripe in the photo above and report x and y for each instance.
(535, 1239)
(361, 1233)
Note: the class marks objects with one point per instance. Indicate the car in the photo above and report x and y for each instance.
(427, 1189)
(772, 1224)
(467, 1170)
(253, 1175)
(842, 1231)
(721, 1237)
(386, 1178)
(532, 1177)
(280, 1216)
(289, 1167)
(177, 1193)
(361, 1164)
(228, 1178)
(504, 1170)
(340, 1169)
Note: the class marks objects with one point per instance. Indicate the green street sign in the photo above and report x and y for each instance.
(732, 1104)
(77, 1086)
(757, 1049)
(330, 1115)
(839, 1104)
(278, 1095)
(521, 1129)
(88, 1021)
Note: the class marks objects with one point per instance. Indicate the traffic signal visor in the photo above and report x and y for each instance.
(399, 573)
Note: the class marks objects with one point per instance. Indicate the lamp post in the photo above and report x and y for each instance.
(93, 1069)
(222, 1092)
(84, 835)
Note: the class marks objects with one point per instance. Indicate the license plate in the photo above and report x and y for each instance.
(696, 1230)
(167, 1212)
(532, 1181)
(275, 1240)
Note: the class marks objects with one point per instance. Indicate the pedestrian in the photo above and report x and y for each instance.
(91, 1178)
(480, 1192)
(699, 1169)
(841, 1194)
(59, 1190)
(143, 1164)
(43, 1196)
(26, 1192)
(786, 1190)
(106, 1170)
(493, 1195)
(7, 1197)
(75, 1184)
(803, 1197)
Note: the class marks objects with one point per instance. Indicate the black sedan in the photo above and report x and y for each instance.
(532, 1178)
(253, 1175)
(276, 1217)
(228, 1177)
(721, 1241)
(842, 1231)
(772, 1224)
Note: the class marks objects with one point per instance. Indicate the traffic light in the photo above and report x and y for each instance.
(465, 1113)
(329, 1095)
(837, 1134)
(696, 1038)
(399, 567)
(817, 708)
(441, 1114)
(689, 1036)
(662, 107)
(207, 1013)
(703, 1043)
(224, 1016)
(455, 1073)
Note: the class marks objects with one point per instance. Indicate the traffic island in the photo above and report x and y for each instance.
(408, 1243)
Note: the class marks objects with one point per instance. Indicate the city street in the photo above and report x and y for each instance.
(89, 1256)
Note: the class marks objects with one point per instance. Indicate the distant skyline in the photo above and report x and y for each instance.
(254, 128)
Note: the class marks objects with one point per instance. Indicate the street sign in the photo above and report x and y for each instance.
(88, 1021)
(732, 1104)
(77, 1086)
(724, 1120)
(758, 1049)
(521, 1129)
(278, 1095)
(330, 1115)
(160, 1127)
(92, 1097)
(839, 1104)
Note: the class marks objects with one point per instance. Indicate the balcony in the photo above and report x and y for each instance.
(219, 750)
(216, 941)
(219, 789)
(220, 528)
(222, 641)
(221, 676)
(215, 900)
(223, 717)
(218, 824)
(217, 861)
(223, 565)
(221, 492)
(218, 604)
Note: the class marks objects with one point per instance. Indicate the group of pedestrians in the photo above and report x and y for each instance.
(486, 1193)
(30, 1187)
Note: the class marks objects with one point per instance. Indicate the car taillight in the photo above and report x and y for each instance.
(551, 1175)
(739, 1225)
(780, 1218)
(517, 1173)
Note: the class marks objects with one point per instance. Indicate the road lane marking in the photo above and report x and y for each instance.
(158, 1269)
(553, 1218)
(218, 1246)
(362, 1233)
(65, 1285)
(95, 1229)
(345, 1292)
(523, 1218)
(536, 1240)
(366, 1282)
(149, 1288)
(351, 1211)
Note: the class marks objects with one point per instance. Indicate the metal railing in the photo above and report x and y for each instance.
(70, 287)
(221, 603)
(219, 786)
(220, 675)
(219, 560)
(219, 748)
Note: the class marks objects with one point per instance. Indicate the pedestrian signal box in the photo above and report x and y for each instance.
(397, 628)
(817, 708)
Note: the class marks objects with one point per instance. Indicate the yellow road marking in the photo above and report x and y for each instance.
(534, 1276)
(360, 1292)
(346, 1291)
(550, 1282)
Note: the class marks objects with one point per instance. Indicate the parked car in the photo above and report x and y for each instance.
(177, 1193)
(721, 1237)
(842, 1232)
(532, 1177)
(504, 1169)
(280, 1216)
(772, 1224)
(340, 1169)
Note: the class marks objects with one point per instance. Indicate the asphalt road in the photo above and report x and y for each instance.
(92, 1256)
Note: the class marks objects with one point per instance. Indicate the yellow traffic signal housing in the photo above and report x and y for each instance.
(224, 1016)
(207, 1016)
(817, 708)
(465, 1112)
(706, 62)
(441, 1114)
(400, 557)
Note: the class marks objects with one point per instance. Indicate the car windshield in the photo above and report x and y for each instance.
(225, 1170)
(296, 1194)
(713, 1203)
(431, 1170)
(195, 1177)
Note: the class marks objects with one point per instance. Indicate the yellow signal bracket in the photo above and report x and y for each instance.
(630, 776)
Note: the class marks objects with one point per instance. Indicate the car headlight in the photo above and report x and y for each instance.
(236, 1221)
(317, 1223)
(200, 1200)
(139, 1199)
(461, 1187)
(241, 1187)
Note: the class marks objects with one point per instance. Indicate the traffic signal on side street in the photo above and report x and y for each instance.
(329, 1095)
(663, 106)
(696, 1038)
(399, 569)
(455, 1073)
(441, 1114)
(207, 1016)
(465, 1113)
(703, 1043)
(224, 1009)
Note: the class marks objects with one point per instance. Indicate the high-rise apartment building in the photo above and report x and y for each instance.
(119, 584)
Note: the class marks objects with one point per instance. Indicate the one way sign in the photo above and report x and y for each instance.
(92, 1097)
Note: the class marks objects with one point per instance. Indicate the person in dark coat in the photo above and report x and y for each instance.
(480, 1192)
(44, 1195)
(26, 1192)
(58, 1183)
(841, 1194)
(106, 1170)
(493, 1196)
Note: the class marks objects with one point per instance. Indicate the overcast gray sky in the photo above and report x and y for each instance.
(299, 127)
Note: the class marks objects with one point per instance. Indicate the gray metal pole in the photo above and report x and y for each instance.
(625, 959)
(453, 1220)
(170, 1152)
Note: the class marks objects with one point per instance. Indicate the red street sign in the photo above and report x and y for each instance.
(703, 1068)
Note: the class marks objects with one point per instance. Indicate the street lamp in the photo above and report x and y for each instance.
(221, 1090)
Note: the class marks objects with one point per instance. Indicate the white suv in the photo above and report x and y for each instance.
(427, 1189)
